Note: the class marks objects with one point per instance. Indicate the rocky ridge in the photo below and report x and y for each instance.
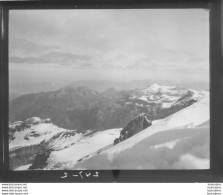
(83, 109)
(138, 124)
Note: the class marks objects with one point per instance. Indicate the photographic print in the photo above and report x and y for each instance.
(109, 89)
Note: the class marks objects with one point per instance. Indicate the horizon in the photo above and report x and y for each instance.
(19, 89)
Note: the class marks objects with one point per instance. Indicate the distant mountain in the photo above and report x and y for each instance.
(19, 87)
(82, 108)
(57, 105)
(102, 85)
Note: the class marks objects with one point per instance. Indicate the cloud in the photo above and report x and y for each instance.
(192, 58)
(28, 60)
(23, 46)
(86, 65)
(110, 66)
(32, 23)
(156, 43)
(60, 58)
(170, 60)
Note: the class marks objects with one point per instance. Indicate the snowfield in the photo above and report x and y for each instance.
(23, 168)
(84, 147)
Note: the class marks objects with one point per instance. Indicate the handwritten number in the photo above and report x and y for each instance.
(86, 174)
(65, 175)
(96, 174)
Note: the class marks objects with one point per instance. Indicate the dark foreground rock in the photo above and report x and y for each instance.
(138, 124)
(40, 160)
(25, 155)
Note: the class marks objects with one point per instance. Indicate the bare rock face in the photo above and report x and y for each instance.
(40, 160)
(24, 155)
(138, 124)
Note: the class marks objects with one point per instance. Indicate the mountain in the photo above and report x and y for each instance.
(168, 130)
(82, 108)
(133, 127)
(35, 136)
(180, 141)
(18, 87)
(102, 85)
(66, 107)
(33, 140)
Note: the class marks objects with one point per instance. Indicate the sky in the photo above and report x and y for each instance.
(122, 45)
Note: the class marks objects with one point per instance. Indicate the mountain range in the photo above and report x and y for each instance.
(18, 87)
(82, 108)
(77, 127)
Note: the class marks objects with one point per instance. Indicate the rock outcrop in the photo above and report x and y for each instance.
(40, 160)
(24, 155)
(138, 124)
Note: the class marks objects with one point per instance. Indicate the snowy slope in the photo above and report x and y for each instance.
(23, 168)
(84, 147)
(134, 152)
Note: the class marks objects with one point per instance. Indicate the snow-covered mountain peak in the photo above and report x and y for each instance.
(33, 120)
(156, 88)
(167, 96)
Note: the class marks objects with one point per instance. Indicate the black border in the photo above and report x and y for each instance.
(214, 174)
